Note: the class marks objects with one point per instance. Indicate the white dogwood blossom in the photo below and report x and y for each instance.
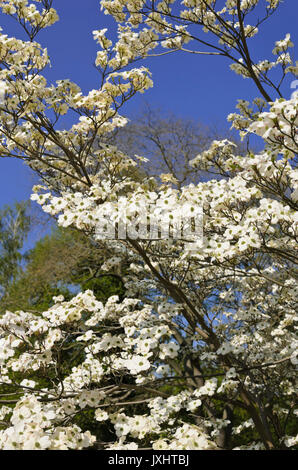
(203, 347)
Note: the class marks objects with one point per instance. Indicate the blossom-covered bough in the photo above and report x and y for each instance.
(203, 347)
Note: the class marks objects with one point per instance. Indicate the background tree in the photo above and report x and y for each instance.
(170, 143)
(60, 264)
(14, 227)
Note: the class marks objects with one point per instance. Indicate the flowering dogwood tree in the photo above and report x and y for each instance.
(203, 347)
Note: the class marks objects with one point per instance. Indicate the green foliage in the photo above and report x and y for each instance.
(14, 227)
(61, 263)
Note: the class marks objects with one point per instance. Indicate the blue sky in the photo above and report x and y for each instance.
(199, 87)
